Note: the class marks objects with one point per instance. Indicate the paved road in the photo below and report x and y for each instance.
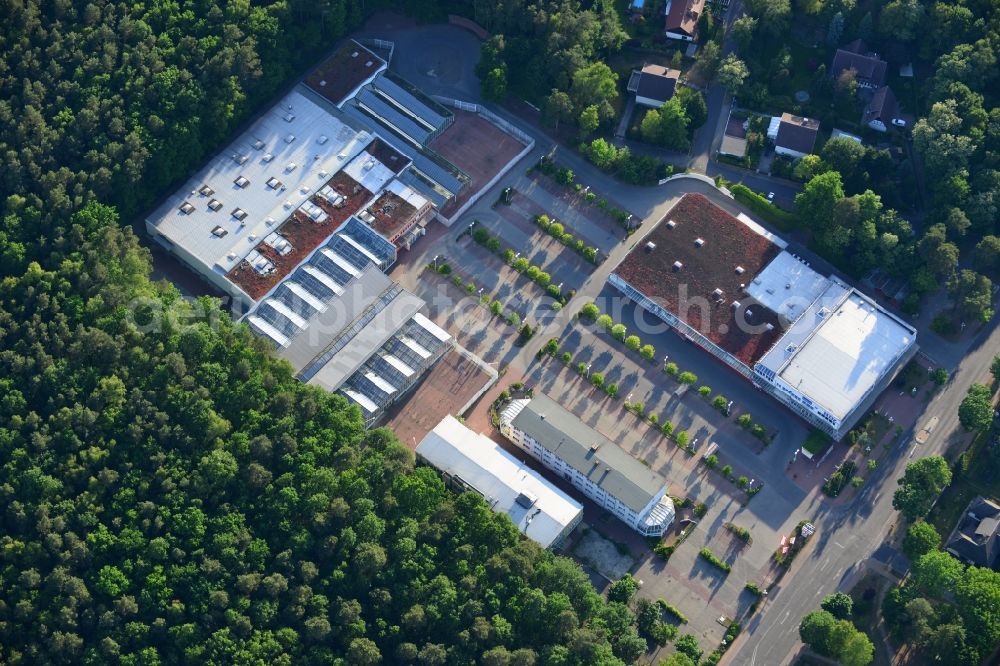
(849, 534)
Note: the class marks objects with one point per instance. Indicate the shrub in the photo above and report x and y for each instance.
(581, 367)
(456, 280)
(597, 379)
(508, 256)
(654, 419)
(687, 377)
(647, 352)
(543, 278)
(565, 176)
(720, 403)
(527, 332)
(745, 420)
(727, 471)
(470, 287)
(579, 245)
(543, 221)
(670, 368)
(493, 244)
(704, 391)
(758, 431)
(618, 331)
(939, 376)
(590, 197)
(670, 610)
(754, 589)
(682, 438)
(742, 533)
(743, 482)
(532, 272)
(553, 290)
(605, 322)
(481, 236)
(590, 312)
(602, 203)
(590, 254)
(667, 428)
(556, 306)
(520, 264)
(496, 307)
(611, 389)
(633, 342)
(712, 461)
(551, 347)
(714, 560)
(700, 509)
(556, 229)
(513, 319)
(872, 465)
(566, 357)
(639, 408)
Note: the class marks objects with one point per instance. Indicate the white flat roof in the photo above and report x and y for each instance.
(320, 144)
(539, 509)
(369, 171)
(850, 348)
(407, 194)
(787, 286)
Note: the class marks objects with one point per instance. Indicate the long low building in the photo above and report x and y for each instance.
(594, 464)
(345, 326)
(815, 343)
(473, 462)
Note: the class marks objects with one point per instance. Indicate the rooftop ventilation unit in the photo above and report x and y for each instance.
(215, 204)
(735, 305)
(241, 182)
(717, 294)
(526, 500)
(267, 157)
(322, 84)
(289, 138)
(187, 208)
(677, 266)
(219, 232)
(273, 183)
(289, 117)
(240, 159)
(258, 145)
(239, 214)
(369, 63)
(322, 139)
(290, 167)
(650, 246)
(671, 224)
(788, 285)
(823, 312)
(354, 54)
(699, 242)
(791, 348)
(769, 326)
(740, 270)
(206, 191)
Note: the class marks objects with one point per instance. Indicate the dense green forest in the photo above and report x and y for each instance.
(173, 495)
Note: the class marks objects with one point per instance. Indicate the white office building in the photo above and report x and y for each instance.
(594, 464)
(473, 462)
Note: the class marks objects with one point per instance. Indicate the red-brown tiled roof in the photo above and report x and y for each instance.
(688, 292)
(345, 70)
(683, 16)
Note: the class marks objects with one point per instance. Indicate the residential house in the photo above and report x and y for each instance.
(869, 70)
(795, 136)
(682, 19)
(653, 85)
(976, 538)
(880, 112)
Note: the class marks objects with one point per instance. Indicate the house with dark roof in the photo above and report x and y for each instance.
(653, 85)
(976, 538)
(869, 70)
(796, 136)
(682, 19)
(881, 110)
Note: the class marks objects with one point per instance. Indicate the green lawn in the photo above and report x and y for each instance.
(816, 442)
